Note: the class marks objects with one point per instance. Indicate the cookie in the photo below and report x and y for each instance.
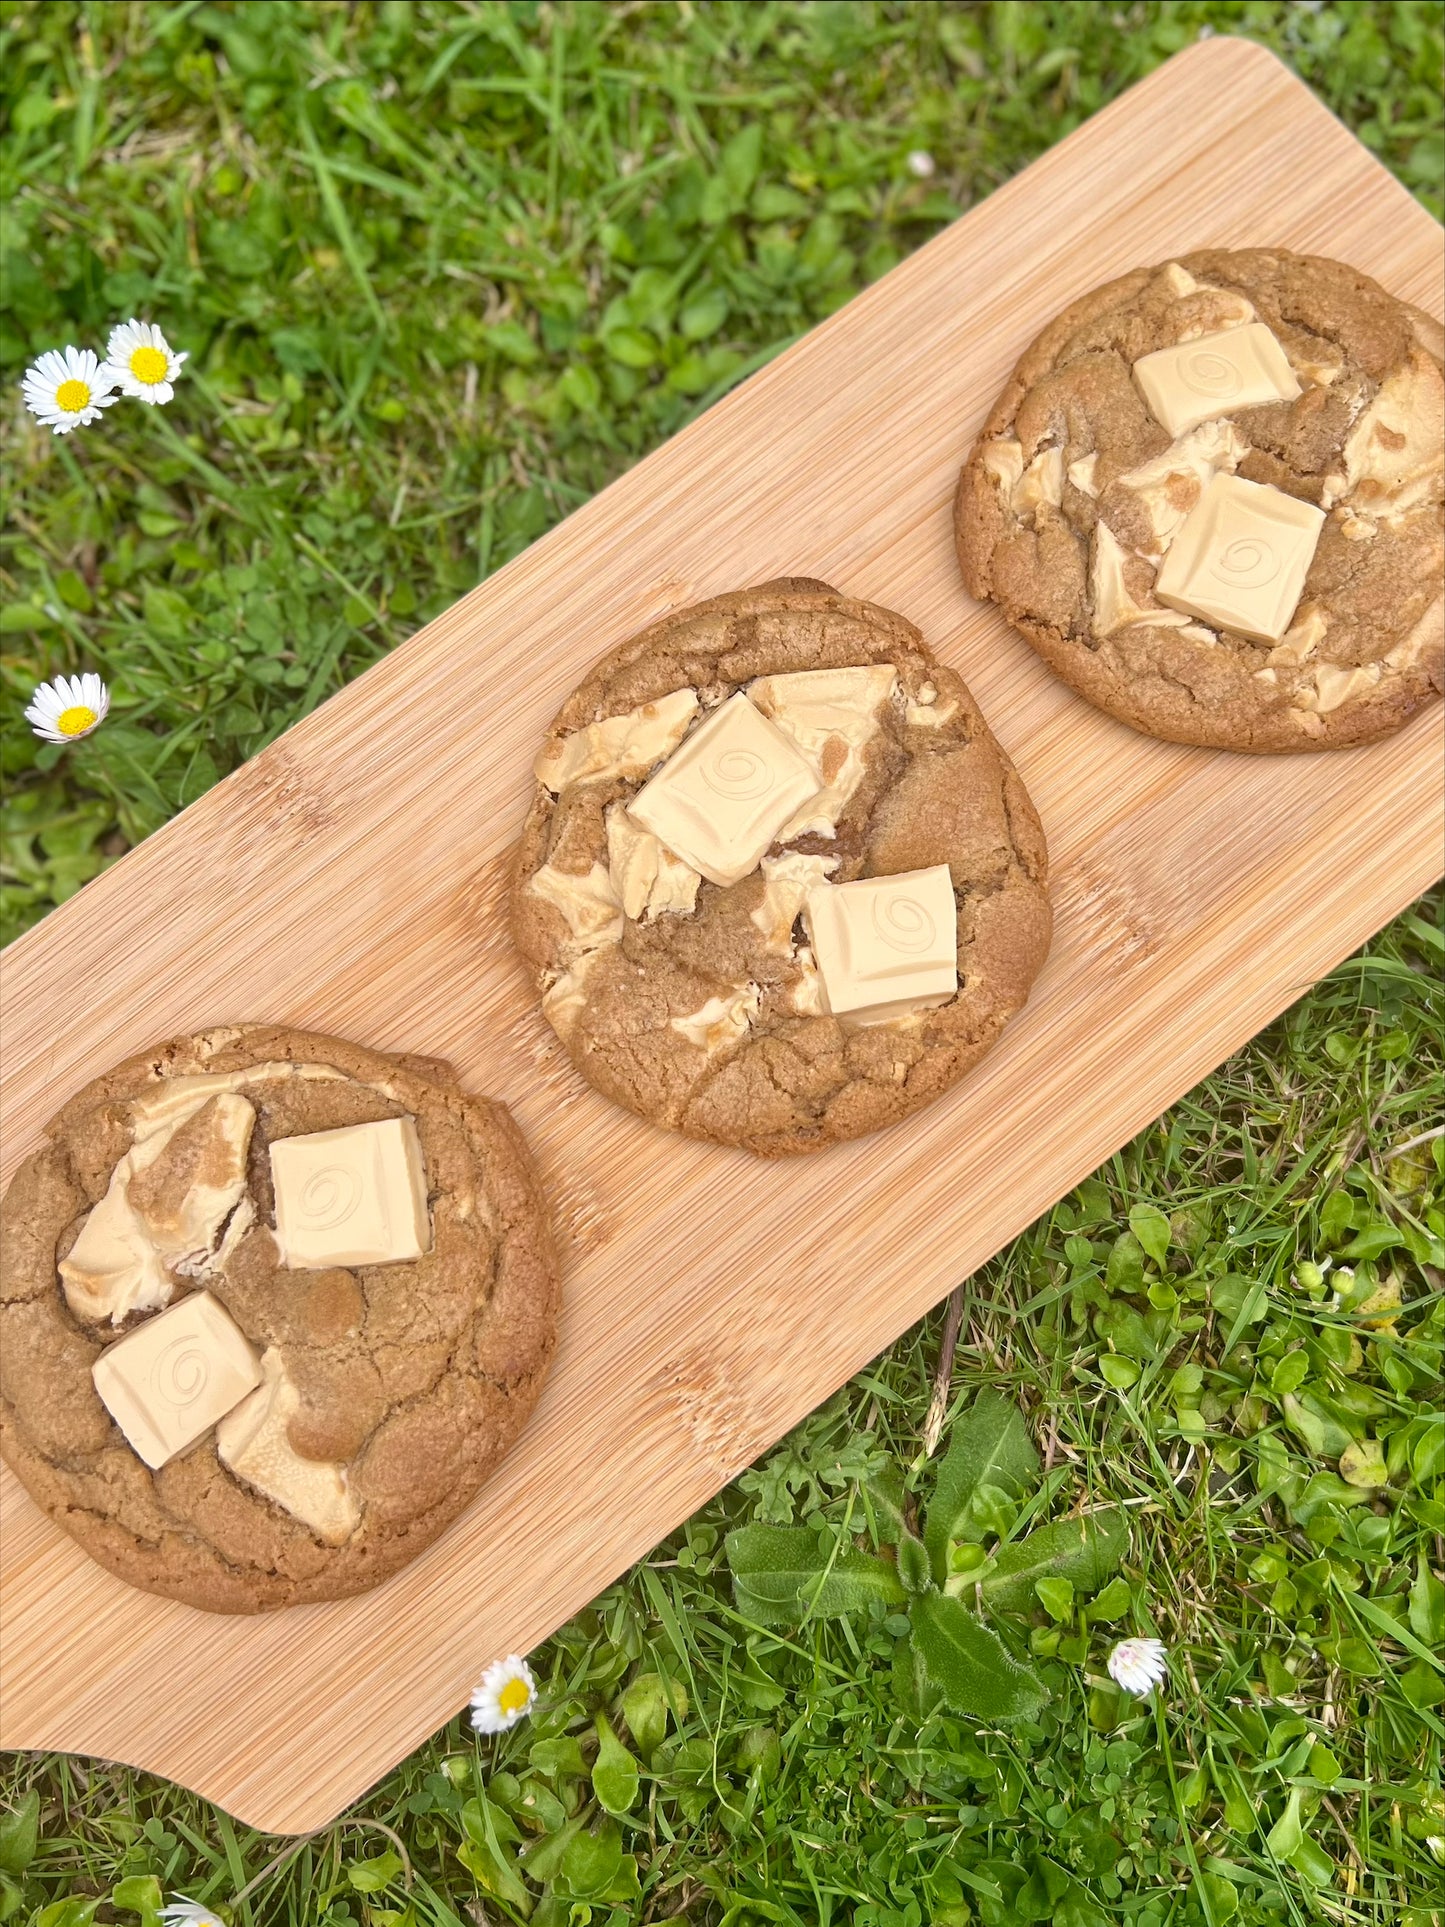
(779, 886)
(1211, 498)
(271, 1308)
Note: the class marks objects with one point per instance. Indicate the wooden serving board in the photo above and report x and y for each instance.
(351, 879)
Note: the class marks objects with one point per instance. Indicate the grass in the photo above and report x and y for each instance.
(443, 271)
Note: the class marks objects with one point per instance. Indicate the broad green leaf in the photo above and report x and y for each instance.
(886, 1499)
(1320, 1429)
(758, 1751)
(1363, 1464)
(511, 339)
(486, 1858)
(1056, 1597)
(1427, 1606)
(1285, 1835)
(623, 1887)
(765, 1612)
(794, 1572)
(705, 316)
(371, 1876)
(614, 1771)
(1314, 1863)
(1084, 1551)
(1239, 1302)
(494, 1875)
(537, 1802)
(1290, 1373)
(591, 1863)
(1125, 1269)
(1039, 1897)
(1111, 1602)
(581, 387)
(543, 1858)
(968, 1664)
(559, 1759)
(1422, 1685)
(1371, 1242)
(739, 161)
(1150, 1226)
(645, 1707)
(1217, 1898)
(67, 1913)
(19, 1829)
(140, 1893)
(1119, 1372)
(633, 347)
(486, 1822)
(989, 1442)
(913, 1567)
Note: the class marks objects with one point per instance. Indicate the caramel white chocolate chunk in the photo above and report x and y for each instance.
(1081, 474)
(565, 996)
(586, 901)
(1215, 375)
(721, 1020)
(356, 1196)
(163, 1210)
(627, 745)
(787, 879)
(832, 715)
(176, 1098)
(1395, 455)
(724, 795)
(252, 1439)
(1169, 485)
(175, 1376)
(1117, 604)
(885, 945)
(646, 878)
(1241, 559)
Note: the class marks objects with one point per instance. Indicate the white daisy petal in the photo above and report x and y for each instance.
(67, 390)
(180, 1912)
(505, 1694)
(1138, 1665)
(70, 707)
(142, 362)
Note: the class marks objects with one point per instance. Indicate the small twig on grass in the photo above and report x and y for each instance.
(942, 1377)
(1414, 1143)
(277, 1861)
(1333, 1811)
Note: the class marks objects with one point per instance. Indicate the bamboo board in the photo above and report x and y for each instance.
(350, 878)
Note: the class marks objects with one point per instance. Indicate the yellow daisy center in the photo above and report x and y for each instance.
(75, 721)
(73, 396)
(148, 365)
(515, 1695)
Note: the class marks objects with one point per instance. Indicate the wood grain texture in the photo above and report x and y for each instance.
(351, 879)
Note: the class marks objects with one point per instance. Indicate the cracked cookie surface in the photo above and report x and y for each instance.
(697, 1004)
(391, 1390)
(1075, 492)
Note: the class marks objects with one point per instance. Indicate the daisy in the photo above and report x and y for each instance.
(1138, 1665)
(65, 390)
(70, 707)
(141, 362)
(921, 164)
(189, 1913)
(506, 1694)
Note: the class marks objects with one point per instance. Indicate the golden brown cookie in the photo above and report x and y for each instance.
(243, 1417)
(779, 886)
(1211, 498)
